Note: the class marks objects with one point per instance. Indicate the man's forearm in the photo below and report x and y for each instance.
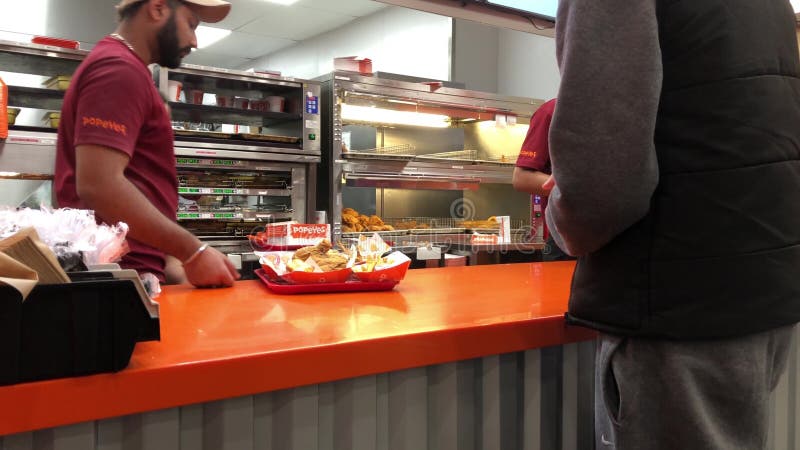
(530, 181)
(174, 272)
(121, 201)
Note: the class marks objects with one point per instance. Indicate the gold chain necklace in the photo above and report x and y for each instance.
(119, 37)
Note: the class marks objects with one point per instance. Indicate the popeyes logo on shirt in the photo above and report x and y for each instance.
(105, 124)
(527, 153)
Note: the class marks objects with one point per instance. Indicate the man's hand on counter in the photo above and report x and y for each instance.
(549, 184)
(211, 269)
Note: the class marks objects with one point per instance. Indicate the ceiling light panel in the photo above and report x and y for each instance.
(209, 35)
(388, 116)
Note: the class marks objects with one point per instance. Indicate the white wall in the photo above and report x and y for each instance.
(527, 65)
(475, 55)
(398, 40)
(504, 61)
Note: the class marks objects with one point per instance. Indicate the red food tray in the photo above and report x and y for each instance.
(323, 288)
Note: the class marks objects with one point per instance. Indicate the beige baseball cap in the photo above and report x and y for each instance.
(210, 11)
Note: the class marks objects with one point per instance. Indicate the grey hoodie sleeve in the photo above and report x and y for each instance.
(601, 138)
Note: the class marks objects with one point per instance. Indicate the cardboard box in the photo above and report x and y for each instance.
(505, 229)
(293, 233)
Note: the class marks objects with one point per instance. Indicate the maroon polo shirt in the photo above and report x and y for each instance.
(112, 102)
(535, 151)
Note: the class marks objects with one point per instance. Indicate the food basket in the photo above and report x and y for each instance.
(393, 273)
(60, 82)
(53, 119)
(12, 115)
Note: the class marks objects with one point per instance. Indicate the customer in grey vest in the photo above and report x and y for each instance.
(675, 151)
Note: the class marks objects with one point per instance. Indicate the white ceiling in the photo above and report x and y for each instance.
(259, 27)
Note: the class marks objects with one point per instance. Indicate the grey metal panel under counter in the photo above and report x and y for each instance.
(500, 402)
(537, 399)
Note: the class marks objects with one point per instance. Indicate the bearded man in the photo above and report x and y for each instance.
(115, 143)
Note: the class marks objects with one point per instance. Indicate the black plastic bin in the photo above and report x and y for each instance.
(74, 329)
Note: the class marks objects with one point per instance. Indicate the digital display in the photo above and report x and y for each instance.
(541, 8)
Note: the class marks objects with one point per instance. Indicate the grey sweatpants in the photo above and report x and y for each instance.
(686, 395)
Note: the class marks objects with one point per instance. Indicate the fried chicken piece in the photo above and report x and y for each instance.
(353, 228)
(375, 221)
(491, 222)
(409, 225)
(320, 249)
(350, 211)
(331, 260)
(343, 250)
(350, 219)
(381, 228)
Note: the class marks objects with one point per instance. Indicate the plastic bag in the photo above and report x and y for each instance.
(68, 232)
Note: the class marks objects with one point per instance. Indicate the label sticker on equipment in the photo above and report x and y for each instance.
(312, 104)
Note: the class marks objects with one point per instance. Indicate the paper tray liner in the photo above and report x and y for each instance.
(323, 288)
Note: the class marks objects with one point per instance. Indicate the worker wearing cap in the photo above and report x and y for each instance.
(115, 143)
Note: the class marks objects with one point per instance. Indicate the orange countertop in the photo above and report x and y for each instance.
(244, 340)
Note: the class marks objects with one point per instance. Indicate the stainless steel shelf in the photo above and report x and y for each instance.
(258, 158)
(218, 73)
(218, 114)
(234, 215)
(427, 174)
(29, 97)
(37, 59)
